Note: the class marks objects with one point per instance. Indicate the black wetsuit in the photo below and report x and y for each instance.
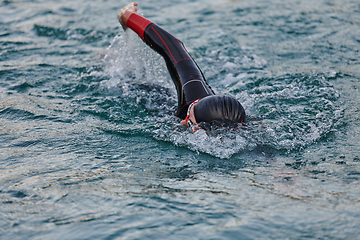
(185, 73)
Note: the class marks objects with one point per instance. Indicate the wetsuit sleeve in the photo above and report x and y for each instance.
(185, 73)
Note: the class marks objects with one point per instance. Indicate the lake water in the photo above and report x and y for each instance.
(90, 147)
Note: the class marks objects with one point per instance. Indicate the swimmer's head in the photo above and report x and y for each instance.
(218, 107)
(214, 112)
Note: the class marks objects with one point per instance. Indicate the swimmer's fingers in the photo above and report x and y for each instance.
(126, 12)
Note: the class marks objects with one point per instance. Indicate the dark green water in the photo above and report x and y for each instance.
(90, 149)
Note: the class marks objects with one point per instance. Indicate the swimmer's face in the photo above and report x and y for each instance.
(191, 117)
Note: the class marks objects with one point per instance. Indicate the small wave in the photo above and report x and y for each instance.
(12, 113)
(83, 35)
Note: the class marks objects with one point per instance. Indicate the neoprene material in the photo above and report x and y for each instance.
(219, 107)
(189, 81)
(138, 24)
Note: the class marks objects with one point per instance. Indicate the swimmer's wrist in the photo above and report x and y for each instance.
(125, 14)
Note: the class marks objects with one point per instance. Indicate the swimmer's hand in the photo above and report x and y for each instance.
(125, 14)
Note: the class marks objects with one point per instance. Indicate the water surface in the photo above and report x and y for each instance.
(90, 149)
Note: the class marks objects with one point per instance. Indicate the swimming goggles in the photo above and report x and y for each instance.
(187, 119)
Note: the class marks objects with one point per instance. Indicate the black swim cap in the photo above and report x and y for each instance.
(219, 107)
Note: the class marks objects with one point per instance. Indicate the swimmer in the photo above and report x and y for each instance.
(198, 105)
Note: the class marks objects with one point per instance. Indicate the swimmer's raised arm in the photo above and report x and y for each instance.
(186, 75)
(189, 81)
